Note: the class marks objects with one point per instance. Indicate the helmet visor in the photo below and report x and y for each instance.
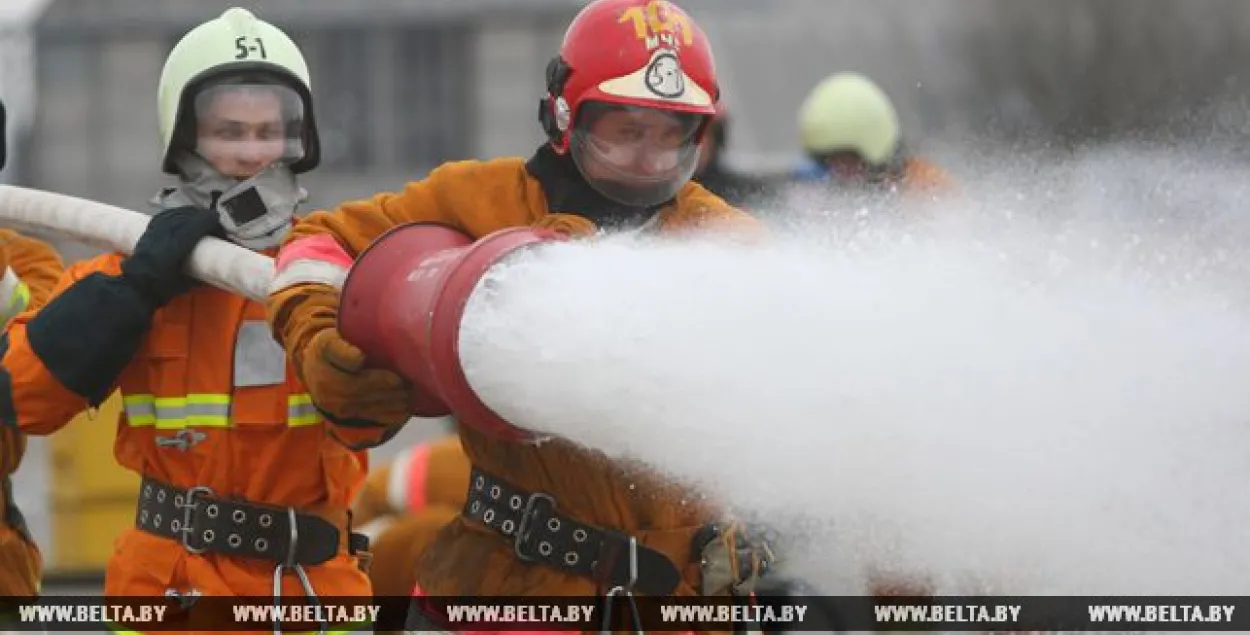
(244, 127)
(634, 155)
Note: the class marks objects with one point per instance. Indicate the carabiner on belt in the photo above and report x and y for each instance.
(280, 570)
(626, 591)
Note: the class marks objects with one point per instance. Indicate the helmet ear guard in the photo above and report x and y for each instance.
(553, 110)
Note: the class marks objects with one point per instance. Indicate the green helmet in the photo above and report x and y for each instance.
(847, 112)
(236, 42)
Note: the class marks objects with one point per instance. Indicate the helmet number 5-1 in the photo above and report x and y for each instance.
(248, 47)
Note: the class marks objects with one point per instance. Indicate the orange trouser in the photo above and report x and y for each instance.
(21, 565)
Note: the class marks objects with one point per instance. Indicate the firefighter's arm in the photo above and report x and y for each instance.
(365, 406)
(69, 354)
(31, 271)
(65, 357)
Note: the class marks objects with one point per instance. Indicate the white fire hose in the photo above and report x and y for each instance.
(217, 262)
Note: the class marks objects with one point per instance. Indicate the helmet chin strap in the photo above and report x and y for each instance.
(256, 213)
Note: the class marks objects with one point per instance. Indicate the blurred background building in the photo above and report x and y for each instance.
(404, 85)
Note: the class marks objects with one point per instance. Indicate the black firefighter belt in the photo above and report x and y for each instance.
(540, 534)
(204, 523)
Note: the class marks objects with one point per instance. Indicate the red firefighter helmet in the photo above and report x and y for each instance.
(630, 97)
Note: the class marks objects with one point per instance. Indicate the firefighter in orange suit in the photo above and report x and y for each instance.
(850, 131)
(627, 102)
(245, 490)
(30, 271)
(405, 503)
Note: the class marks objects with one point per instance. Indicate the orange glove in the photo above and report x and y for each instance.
(568, 224)
(367, 406)
(346, 392)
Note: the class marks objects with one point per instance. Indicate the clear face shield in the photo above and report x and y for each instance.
(244, 128)
(247, 135)
(634, 155)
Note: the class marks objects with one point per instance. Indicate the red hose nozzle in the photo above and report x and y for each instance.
(402, 304)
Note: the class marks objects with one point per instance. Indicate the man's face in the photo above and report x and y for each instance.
(242, 131)
(636, 155)
(642, 143)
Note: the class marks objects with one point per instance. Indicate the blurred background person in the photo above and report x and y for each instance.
(405, 503)
(852, 137)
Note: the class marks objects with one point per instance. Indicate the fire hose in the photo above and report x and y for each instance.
(402, 302)
(217, 262)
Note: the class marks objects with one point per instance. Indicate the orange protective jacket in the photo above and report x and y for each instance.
(36, 267)
(480, 197)
(924, 176)
(410, 500)
(209, 401)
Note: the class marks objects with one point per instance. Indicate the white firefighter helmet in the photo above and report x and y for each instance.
(847, 112)
(235, 42)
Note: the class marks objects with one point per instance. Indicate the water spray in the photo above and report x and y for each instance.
(1003, 402)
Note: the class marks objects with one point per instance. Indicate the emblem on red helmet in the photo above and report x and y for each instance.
(664, 76)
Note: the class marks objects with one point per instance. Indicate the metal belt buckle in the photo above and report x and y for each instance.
(523, 529)
(188, 508)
